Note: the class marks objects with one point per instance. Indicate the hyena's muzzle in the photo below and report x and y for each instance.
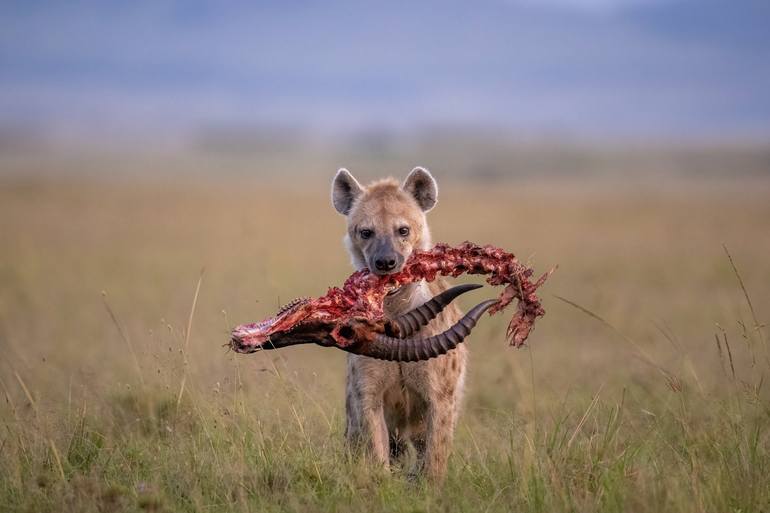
(384, 258)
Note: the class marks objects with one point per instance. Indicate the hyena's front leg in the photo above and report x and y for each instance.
(438, 442)
(448, 380)
(366, 426)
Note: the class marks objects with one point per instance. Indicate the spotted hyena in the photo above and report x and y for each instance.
(390, 405)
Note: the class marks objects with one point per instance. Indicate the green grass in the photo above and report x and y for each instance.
(643, 388)
(686, 452)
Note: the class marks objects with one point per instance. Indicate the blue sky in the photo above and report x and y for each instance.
(592, 68)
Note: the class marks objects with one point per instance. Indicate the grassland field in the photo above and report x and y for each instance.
(643, 389)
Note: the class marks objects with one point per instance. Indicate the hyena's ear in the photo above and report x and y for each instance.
(345, 190)
(422, 186)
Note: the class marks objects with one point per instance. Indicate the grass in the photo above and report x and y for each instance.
(643, 388)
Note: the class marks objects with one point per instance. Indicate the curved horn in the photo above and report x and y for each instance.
(411, 322)
(384, 347)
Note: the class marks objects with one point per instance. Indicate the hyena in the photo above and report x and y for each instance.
(390, 404)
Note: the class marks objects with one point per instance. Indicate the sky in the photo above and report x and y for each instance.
(676, 69)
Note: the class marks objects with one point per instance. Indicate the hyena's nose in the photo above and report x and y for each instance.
(387, 263)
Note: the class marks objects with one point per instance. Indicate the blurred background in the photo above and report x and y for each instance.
(627, 141)
(511, 87)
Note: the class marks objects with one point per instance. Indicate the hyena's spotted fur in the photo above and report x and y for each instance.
(389, 404)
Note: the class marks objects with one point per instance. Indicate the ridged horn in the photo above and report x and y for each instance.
(411, 322)
(383, 347)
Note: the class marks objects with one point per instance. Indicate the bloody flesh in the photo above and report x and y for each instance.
(347, 313)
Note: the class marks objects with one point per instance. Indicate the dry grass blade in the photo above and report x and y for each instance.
(642, 354)
(187, 340)
(585, 417)
(27, 393)
(57, 459)
(721, 354)
(124, 336)
(729, 351)
(757, 326)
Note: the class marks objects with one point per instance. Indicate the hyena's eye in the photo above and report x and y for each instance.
(403, 231)
(366, 233)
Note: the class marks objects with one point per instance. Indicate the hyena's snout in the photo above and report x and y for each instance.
(386, 259)
(387, 263)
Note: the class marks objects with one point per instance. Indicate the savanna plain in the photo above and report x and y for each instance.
(643, 389)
